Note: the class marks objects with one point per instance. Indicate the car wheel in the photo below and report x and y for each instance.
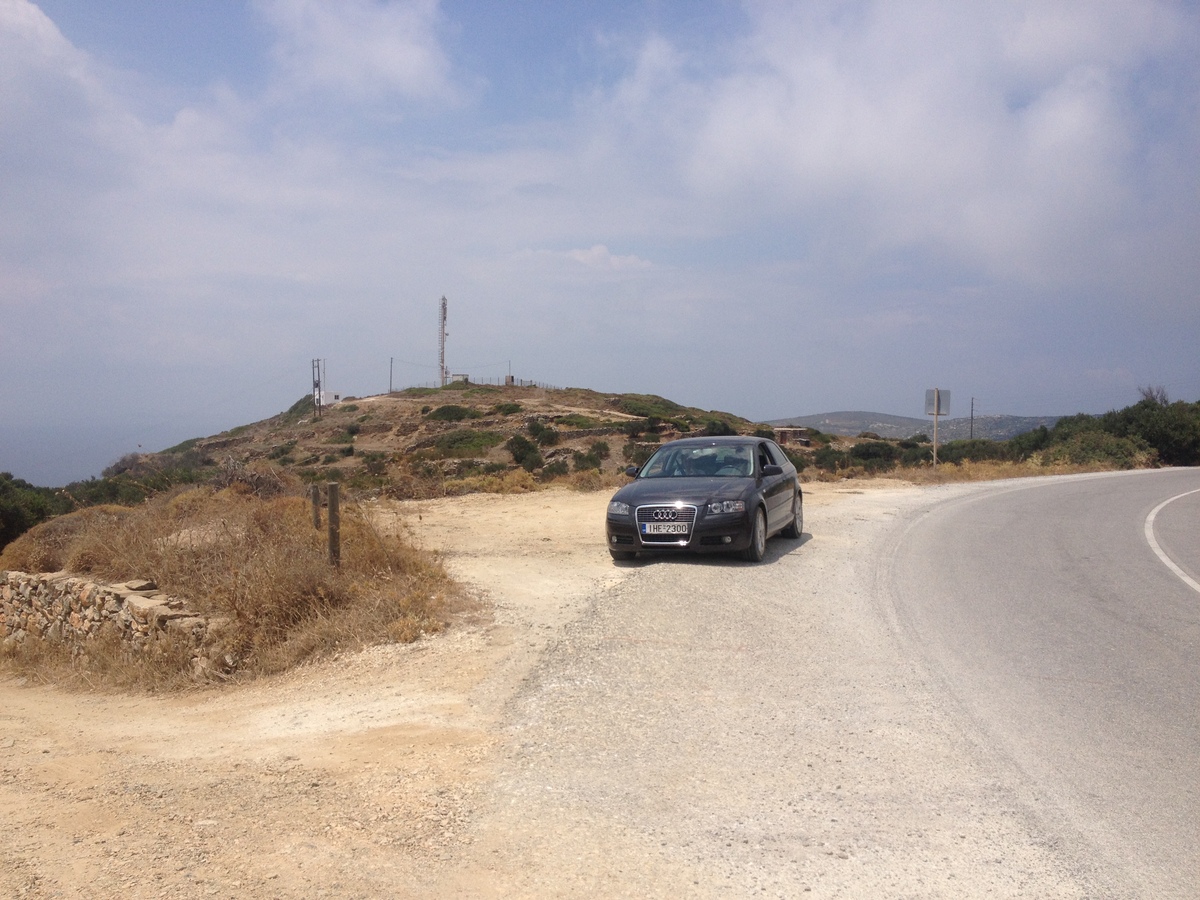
(622, 554)
(758, 537)
(795, 528)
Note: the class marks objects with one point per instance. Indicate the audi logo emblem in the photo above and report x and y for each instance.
(666, 515)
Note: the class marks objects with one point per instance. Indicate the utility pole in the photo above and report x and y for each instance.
(443, 372)
(391, 361)
(316, 370)
(972, 418)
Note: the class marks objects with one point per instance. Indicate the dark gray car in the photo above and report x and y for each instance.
(707, 495)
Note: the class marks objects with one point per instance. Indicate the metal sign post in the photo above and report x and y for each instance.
(937, 403)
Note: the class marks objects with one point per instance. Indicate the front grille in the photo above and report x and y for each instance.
(685, 515)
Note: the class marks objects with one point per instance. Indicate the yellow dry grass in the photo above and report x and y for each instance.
(259, 564)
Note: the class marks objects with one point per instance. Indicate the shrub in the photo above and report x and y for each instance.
(465, 442)
(282, 450)
(875, 456)
(506, 409)
(636, 454)
(555, 469)
(1023, 446)
(975, 450)
(545, 435)
(831, 460)
(649, 405)
(601, 450)
(764, 431)
(585, 461)
(524, 453)
(1172, 429)
(1087, 448)
(718, 427)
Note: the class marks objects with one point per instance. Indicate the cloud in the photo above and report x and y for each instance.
(598, 257)
(365, 49)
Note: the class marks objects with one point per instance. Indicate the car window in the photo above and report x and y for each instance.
(764, 457)
(718, 460)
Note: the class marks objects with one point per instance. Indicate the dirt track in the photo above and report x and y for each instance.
(475, 762)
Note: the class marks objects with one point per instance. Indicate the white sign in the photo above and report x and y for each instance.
(937, 402)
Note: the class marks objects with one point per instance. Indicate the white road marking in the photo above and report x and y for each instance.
(1167, 561)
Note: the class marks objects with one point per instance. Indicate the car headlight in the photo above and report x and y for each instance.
(617, 508)
(726, 506)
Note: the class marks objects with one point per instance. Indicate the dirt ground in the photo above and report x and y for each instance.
(358, 777)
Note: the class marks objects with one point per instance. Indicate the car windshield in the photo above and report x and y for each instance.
(721, 461)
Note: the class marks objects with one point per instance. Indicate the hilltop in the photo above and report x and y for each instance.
(412, 441)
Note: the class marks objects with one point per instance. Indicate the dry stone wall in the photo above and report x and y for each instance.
(63, 608)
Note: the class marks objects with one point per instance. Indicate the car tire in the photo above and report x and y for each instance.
(622, 555)
(795, 528)
(758, 537)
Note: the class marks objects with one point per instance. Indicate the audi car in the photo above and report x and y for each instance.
(707, 495)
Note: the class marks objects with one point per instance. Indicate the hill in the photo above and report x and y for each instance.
(997, 428)
(412, 441)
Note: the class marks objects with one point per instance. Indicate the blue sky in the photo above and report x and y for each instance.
(768, 208)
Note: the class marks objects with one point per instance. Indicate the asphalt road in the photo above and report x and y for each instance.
(1067, 631)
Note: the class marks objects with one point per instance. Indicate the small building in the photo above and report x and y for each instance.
(792, 434)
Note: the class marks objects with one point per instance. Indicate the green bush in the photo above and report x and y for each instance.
(282, 450)
(974, 450)
(506, 409)
(1023, 446)
(831, 460)
(601, 449)
(466, 442)
(554, 469)
(717, 427)
(648, 406)
(1171, 429)
(636, 454)
(1100, 448)
(545, 435)
(524, 453)
(585, 461)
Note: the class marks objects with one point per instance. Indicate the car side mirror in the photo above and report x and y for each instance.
(631, 471)
(772, 470)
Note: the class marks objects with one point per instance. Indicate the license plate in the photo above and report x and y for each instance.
(664, 528)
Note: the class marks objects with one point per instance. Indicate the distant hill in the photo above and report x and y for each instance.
(997, 428)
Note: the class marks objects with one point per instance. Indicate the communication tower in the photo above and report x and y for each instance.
(443, 372)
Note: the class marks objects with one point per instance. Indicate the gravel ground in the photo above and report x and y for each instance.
(659, 728)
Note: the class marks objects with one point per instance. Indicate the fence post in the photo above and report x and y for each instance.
(315, 493)
(335, 525)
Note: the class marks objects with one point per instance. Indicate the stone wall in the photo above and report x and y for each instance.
(63, 608)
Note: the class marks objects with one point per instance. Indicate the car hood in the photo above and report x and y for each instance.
(696, 490)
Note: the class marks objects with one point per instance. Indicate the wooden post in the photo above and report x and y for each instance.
(335, 526)
(937, 407)
(315, 493)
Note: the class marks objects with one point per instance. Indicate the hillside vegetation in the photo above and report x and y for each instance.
(433, 442)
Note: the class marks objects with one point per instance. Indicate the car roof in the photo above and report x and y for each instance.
(736, 440)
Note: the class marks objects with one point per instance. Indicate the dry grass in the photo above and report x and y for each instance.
(992, 470)
(258, 563)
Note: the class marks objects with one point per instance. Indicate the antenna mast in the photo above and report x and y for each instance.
(442, 371)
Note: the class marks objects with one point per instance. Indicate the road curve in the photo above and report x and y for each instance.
(1062, 616)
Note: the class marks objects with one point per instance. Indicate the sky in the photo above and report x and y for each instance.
(768, 208)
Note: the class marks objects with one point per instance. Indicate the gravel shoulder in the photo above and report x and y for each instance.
(683, 728)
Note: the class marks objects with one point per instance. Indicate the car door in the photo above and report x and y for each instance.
(776, 488)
